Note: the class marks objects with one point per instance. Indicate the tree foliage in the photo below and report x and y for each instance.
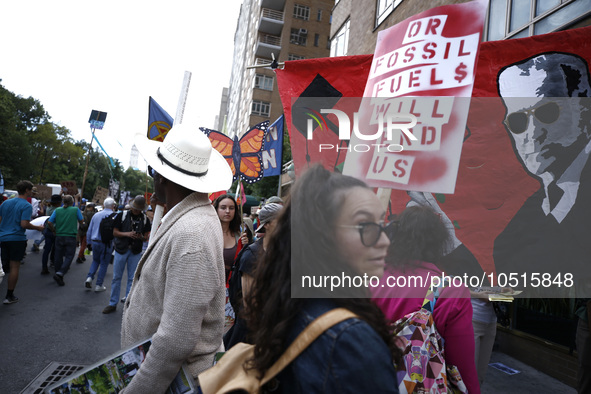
(34, 148)
(137, 182)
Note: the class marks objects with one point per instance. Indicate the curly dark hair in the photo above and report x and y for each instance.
(309, 214)
(419, 235)
(235, 222)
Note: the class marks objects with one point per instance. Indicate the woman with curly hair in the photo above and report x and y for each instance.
(334, 223)
(418, 244)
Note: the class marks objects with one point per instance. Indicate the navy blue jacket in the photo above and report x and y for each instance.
(349, 357)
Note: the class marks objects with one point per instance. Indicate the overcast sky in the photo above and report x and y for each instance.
(76, 56)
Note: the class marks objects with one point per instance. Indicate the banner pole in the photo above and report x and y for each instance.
(180, 109)
(87, 161)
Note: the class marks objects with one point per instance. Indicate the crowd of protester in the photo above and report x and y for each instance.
(207, 262)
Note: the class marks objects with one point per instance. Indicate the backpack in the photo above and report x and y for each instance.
(235, 280)
(423, 367)
(106, 228)
(228, 375)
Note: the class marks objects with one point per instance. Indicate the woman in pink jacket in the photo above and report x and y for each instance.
(418, 244)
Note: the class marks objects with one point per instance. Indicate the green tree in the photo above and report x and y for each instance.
(136, 182)
(14, 160)
(100, 171)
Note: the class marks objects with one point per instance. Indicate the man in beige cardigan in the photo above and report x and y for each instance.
(178, 292)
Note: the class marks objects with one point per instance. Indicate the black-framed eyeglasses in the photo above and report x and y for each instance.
(152, 172)
(370, 232)
(547, 113)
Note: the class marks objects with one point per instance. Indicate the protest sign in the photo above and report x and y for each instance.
(69, 187)
(100, 194)
(420, 82)
(43, 192)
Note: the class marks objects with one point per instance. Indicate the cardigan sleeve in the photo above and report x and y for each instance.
(186, 302)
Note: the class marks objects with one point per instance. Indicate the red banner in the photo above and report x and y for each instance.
(502, 208)
(333, 77)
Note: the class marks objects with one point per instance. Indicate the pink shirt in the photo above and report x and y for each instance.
(452, 315)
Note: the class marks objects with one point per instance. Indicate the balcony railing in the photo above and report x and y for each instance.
(272, 14)
(269, 39)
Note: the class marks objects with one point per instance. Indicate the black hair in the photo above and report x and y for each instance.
(235, 222)
(419, 235)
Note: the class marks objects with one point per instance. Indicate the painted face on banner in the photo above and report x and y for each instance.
(543, 121)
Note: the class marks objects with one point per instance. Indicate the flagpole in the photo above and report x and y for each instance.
(180, 109)
(281, 158)
(87, 161)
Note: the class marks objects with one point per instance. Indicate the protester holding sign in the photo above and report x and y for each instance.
(419, 242)
(334, 223)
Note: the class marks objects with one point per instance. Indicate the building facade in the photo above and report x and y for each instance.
(267, 30)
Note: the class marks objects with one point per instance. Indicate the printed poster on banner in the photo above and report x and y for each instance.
(410, 126)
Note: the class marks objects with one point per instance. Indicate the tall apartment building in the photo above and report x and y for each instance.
(220, 118)
(354, 31)
(283, 29)
(356, 23)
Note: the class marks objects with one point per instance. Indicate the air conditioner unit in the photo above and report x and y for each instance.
(303, 32)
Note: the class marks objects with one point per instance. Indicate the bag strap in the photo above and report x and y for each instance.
(306, 337)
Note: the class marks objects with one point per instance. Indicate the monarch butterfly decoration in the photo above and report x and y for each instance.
(244, 155)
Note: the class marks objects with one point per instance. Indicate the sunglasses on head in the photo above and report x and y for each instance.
(370, 232)
(517, 122)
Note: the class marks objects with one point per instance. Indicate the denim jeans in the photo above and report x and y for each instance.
(65, 248)
(48, 249)
(119, 263)
(101, 257)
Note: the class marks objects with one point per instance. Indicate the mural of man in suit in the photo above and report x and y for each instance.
(548, 118)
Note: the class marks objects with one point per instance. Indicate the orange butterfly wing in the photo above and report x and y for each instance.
(251, 147)
(223, 144)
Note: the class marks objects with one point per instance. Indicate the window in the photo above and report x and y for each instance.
(291, 56)
(298, 36)
(264, 82)
(319, 15)
(524, 18)
(385, 8)
(316, 39)
(301, 12)
(340, 42)
(261, 108)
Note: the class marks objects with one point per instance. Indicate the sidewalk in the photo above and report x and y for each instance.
(528, 380)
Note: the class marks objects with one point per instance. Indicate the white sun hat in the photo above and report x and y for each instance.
(187, 158)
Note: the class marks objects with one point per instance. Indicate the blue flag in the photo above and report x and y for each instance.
(273, 149)
(159, 121)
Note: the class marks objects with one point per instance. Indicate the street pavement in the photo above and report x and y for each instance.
(66, 325)
(53, 324)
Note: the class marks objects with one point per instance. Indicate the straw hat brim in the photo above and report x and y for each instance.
(218, 176)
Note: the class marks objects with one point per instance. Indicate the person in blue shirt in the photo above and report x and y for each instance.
(15, 218)
(101, 251)
(331, 226)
